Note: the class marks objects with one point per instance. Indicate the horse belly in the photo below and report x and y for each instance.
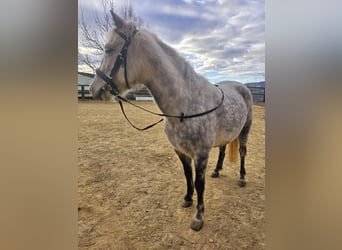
(190, 140)
(229, 129)
(226, 136)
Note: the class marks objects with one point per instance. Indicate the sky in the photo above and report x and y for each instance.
(221, 39)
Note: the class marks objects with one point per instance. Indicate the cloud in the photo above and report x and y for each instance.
(226, 37)
(222, 36)
(85, 50)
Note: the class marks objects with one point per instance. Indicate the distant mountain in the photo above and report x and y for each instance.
(256, 84)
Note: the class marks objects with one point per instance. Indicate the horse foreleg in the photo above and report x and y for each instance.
(186, 161)
(219, 164)
(243, 151)
(200, 166)
(243, 137)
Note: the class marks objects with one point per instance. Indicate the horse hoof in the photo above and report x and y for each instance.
(242, 183)
(196, 224)
(187, 204)
(215, 174)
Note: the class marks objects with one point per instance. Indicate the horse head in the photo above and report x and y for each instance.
(112, 76)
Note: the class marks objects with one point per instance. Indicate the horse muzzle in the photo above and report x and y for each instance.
(95, 89)
(103, 94)
(111, 86)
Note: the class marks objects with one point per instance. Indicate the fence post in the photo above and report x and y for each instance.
(82, 91)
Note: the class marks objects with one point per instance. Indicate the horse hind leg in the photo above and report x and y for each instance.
(243, 137)
(243, 151)
(219, 163)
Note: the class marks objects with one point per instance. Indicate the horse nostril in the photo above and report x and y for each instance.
(107, 87)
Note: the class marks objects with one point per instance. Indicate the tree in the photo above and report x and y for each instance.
(93, 38)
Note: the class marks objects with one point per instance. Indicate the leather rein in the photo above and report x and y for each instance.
(121, 60)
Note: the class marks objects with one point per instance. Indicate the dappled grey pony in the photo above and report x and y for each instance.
(199, 115)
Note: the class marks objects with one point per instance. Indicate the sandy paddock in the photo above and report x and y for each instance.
(131, 186)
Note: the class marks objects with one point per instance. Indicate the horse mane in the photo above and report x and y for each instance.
(180, 63)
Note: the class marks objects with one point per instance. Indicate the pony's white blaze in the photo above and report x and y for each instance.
(178, 89)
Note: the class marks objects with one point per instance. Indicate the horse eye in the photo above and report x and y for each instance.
(108, 51)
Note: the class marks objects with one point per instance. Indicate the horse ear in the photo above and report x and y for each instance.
(118, 21)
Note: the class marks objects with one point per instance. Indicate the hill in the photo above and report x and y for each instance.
(256, 84)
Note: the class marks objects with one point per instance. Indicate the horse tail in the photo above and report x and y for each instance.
(233, 149)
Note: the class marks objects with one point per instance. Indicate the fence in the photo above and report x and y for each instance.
(258, 93)
(83, 91)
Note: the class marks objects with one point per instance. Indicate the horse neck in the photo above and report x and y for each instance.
(170, 80)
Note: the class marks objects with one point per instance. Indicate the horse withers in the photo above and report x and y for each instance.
(199, 115)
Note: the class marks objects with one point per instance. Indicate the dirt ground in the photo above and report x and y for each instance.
(131, 186)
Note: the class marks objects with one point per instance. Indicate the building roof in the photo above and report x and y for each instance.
(85, 78)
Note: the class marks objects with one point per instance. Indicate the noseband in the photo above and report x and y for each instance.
(121, 60)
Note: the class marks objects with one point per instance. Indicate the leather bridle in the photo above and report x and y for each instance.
(121, 60)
